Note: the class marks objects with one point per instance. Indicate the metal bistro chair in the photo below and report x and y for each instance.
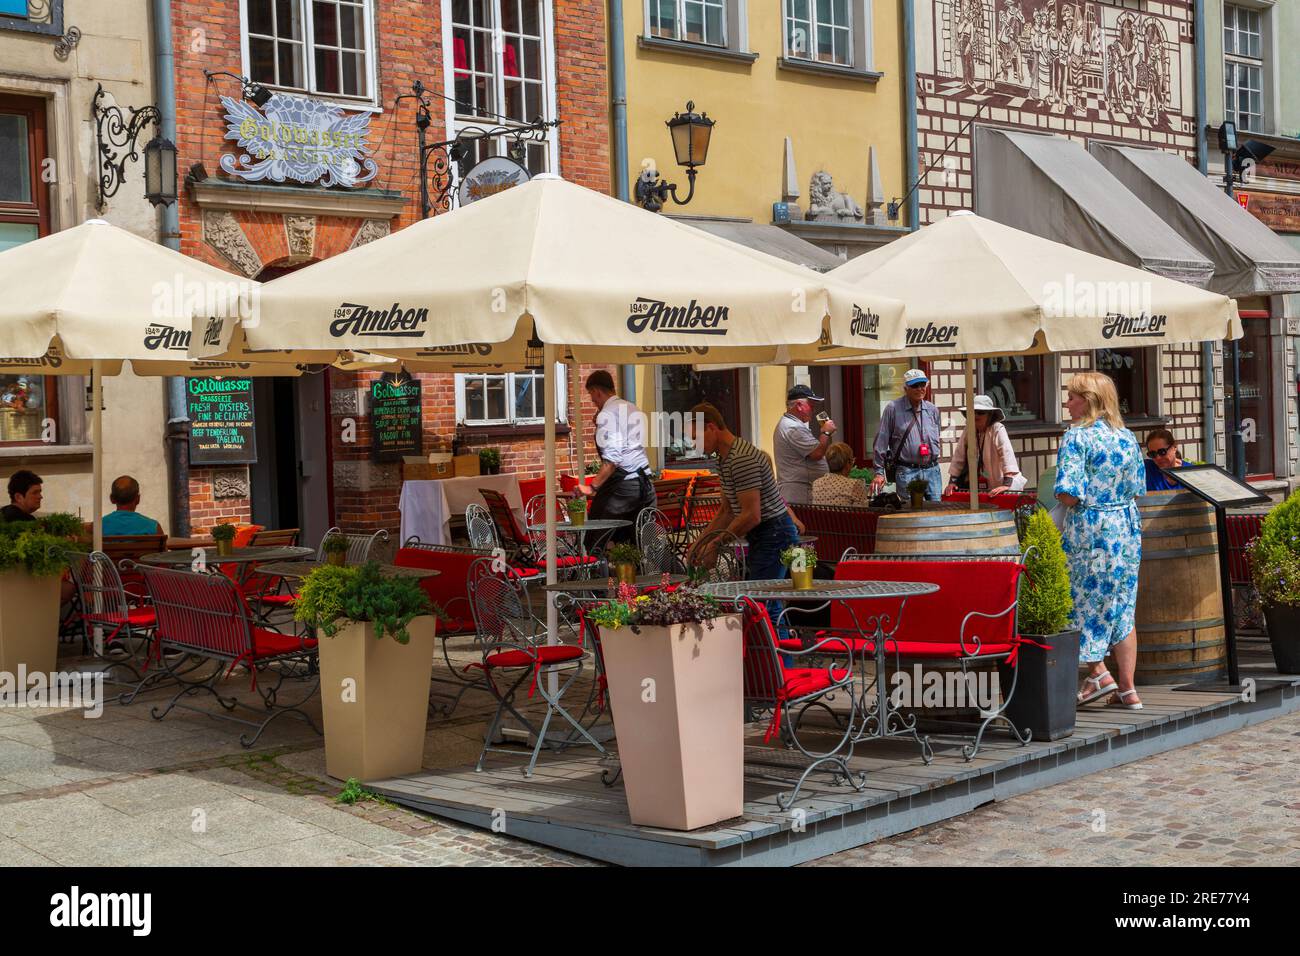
(654, 540)
(205, 616)
(120, 632)
(515, 643)
(730, 562)
(360, 546)
(571, 562)
(508, 532)
(480, 529)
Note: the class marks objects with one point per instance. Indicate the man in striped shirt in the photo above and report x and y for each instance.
(752, 506)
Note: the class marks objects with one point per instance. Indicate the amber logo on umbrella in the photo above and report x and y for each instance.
(166, 337)
(394, 322)
(656, 316)
(937, 336)
(865, 323)
(1117, 325)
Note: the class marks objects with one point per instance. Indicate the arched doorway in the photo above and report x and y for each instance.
(290, 483)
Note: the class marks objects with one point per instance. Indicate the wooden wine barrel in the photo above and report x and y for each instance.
(944, 530)
(1180, 631)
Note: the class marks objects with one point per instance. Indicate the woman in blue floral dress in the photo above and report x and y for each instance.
(1099, 473)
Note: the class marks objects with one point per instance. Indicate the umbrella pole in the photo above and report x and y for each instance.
(548, 405)
(578, 425)
(972, 452)
(97, 463)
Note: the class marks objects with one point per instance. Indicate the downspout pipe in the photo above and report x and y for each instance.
(911, 155)
(1208, 419)
(618, 97)
(169, 231)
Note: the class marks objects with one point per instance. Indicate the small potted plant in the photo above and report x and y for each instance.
(673, 663)
(335, 547)
(801, 559)
(224, 536)
(577, 508)
(623, 561)
(1044, 700)
(33, 556)
(376, 643)
(917, 488)
(1275, 571)
(489, 460)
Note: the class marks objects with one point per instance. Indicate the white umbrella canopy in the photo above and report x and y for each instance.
(553, 263)
(977, 287)
(84, 300)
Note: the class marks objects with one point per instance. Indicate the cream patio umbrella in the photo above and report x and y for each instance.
(976, 287)
(552, 271)
(84, 300)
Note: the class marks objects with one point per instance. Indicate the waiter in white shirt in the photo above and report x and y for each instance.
(622, 487)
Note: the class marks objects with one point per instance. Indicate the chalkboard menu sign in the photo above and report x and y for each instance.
(395, 416)
(221, 421)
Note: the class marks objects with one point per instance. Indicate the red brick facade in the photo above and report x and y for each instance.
(409, 38)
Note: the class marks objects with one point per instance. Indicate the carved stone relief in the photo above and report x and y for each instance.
(371, 230)
(221, 231)
(230, 484)
(301, 232)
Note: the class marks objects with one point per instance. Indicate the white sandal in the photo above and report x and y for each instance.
(1087, 697)
(1120, 698)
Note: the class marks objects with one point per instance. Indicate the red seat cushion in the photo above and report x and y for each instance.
(802, 681)
(570, 561)
(270, 644)
(554, 654)
(524, 572)
(135, 617)
(279, 600)
(789, 644)
(910, 648)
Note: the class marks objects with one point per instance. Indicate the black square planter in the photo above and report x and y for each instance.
(1045, 698)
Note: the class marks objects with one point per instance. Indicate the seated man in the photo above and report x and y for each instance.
(1163, 456)
(24, 497)
(126, 520)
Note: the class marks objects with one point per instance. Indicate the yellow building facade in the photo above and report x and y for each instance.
(808, 103)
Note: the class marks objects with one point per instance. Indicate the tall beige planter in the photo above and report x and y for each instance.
(374, 726)
(680, 739)
(29, 622)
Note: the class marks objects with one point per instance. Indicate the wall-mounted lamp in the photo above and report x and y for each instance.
(691, 133)
(117, 134)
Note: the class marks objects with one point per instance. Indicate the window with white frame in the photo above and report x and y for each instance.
(695, 21)
(512, 398)
(1243, 67)
(820, 30)
(500, 56)
(324, 47)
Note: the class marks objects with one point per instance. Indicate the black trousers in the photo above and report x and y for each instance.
(621, 498)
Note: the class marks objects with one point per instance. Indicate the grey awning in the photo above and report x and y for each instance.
(1050, 186)
(1249, 259)
(770, 239)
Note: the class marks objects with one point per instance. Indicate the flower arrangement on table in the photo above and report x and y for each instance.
(624, 559)
(335, 547)
(655, 607)
(224, 537)
(801, 559)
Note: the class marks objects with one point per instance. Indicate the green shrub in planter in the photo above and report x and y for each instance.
(1275, 571)
(29, 546)
(1045, 602)
(331, 597)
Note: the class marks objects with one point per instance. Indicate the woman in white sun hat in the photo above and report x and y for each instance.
(997, 467)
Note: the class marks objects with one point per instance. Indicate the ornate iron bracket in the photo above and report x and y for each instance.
(117, 134)
(438, 161)
(67, 43)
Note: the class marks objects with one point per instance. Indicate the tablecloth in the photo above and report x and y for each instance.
(428, 506)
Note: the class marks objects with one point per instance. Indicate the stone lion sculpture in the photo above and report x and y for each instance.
(827, 205)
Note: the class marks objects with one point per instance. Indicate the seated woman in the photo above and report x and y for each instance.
(836, 487)
(1162, 456)
(996, 459)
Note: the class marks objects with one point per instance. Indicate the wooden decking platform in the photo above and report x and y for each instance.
(565, 805)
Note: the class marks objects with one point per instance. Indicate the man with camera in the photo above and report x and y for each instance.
(907, 445)
(800, 455)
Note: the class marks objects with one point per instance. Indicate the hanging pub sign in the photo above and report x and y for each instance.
(396, 418)
(494, 175)
(293, 137)
(221, 421)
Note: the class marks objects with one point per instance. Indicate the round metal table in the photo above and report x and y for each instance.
(593, 585)
(241, 556)
(591, 524)
(878, 718)
(300, 569)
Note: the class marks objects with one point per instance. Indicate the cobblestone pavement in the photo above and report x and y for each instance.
(1233, 800)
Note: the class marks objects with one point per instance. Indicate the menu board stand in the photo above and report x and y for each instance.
(1221, 490)
(396, 416)
(222, 424)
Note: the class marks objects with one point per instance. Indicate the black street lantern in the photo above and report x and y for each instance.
(691, 132)
(160, 171)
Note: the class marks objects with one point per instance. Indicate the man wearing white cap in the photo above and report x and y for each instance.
(907, 445)
(800, 456)
(997, 465)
